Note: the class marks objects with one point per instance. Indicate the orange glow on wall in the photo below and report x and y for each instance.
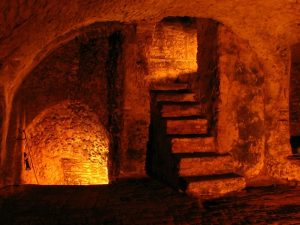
(66, 145)
(174, 48)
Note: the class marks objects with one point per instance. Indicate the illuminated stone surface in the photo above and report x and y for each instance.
(214, 185)
(193, 144)
(184, 97)
(188, 126)
(238, 58)
(174, 49)
(68, 145)
(184, 153)
(199, 164)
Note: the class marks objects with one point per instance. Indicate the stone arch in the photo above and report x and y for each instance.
(82, 70)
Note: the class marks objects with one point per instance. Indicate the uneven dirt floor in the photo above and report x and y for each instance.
(144, 201)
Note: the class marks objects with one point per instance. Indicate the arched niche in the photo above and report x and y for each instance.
(65, 144)
(295, 99)
(84, 74)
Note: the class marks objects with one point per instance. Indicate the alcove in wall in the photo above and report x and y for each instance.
(65, 118)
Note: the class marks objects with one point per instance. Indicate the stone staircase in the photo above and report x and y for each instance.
(182, 152)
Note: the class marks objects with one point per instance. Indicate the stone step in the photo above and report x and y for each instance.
(186, 78)
(187, 126)
(176, 97)
(213, 185)
(192, 144)
(180, 109)
(201, 164)
(180, 87)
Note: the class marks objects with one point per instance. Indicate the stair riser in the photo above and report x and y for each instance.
(206, 166)
(189, 97)
(170, 87)
(190, 145)
(216, 187)
(182, 110)
(197, 126)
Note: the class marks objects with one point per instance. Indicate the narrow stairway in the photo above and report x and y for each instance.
(182, 152)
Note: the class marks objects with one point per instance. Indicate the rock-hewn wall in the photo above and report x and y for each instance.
(173, 51)
(30, 30)
(240, 127)
(86, 70)
(295, 91)
(2, 117)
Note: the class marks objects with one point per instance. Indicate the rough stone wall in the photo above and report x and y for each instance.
(30, 30)
(136, 101)
(295, 91)
(206, 83)
(173, 50)
(2, 117)
(278, 163)
(75, 71)
(241, 104)
(67, 145)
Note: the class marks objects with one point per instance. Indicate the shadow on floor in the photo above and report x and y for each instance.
(131, 202)
(144, 201)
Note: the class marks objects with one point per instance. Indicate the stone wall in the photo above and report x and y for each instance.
(84, 70)
(66, 144)
(173, 50)
(2, 119)
(295, 91)
(206, 83)
(31, 30)
(240, 127)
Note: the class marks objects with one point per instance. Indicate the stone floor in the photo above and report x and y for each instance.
(144, 201)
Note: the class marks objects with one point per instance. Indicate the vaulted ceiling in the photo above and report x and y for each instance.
(30, 29)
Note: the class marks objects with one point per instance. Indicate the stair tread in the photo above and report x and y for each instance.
(213, 185)
(200, 155)
(223, 176)
(188, 126)
(206, 163)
